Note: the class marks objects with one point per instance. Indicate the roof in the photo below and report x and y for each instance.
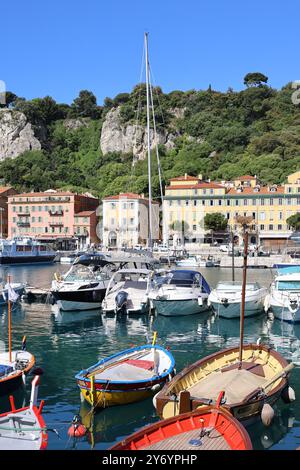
(49, 194)
(245, 178)
(262, 190)
(3, 189)
(185, 178)
(197, 186)
(84, 213)
(128, 196)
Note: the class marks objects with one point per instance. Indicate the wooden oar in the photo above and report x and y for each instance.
(277, 376)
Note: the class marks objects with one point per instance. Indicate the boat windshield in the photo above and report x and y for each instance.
(236, 286)
(131, 277)
(83, 273)
(288, 285)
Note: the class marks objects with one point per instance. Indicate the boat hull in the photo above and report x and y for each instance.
(233, 310)
(79, 299)
(169, 308)
(26, 259)
(13, 381)
(284, 313)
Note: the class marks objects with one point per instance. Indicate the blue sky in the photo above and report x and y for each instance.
(59, 47)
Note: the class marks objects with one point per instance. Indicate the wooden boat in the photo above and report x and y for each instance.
(14, 365)
(209, 428)
(126, 377)
(261, 378)
(24, 428)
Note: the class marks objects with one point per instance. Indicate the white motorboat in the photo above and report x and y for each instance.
(191, 261)
(83, 287)
(128, 291)
(284, 297)
(227, 296)
(181, 292)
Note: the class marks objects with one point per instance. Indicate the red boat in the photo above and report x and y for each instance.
(24, 428)
(207, 428)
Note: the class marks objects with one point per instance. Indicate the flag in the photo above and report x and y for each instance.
(12, 295)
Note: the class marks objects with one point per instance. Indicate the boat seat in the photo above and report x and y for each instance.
(124, 372)
(237, 385)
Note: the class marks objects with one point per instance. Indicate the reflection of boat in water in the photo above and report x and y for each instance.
(109, 424)
(265, 438)
(63, 317)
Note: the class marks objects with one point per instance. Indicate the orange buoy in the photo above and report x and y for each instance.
(77, 429)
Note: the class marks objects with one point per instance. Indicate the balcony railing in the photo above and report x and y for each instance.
(23, 214)
(23, 224)
(58, 212)
(56, 224)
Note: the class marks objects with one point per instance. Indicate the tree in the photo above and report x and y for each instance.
(255, 79)
(85, 105)
(215, 222)
(10, 100)
(294, 221)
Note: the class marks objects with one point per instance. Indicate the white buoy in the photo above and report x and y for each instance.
(155, 388)
(267, 414)
(288, 395)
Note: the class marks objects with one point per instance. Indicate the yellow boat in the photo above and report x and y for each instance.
(126, 377)
(261, 378)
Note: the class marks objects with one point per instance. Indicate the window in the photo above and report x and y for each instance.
(254, 215)
(112, 221)
(113, 205)
(211, 202)
(245, 202)
(124, 222)
(33, 208)
(271, 201)
(32, 219)
(194, 227)
(131, 205)
(271, 215)
(187, 202)
(203, 202)
(279, 227)
(289, 189)
(254, 202)
(289, 201)
(220, 202)
(195, 203)
(211, 191)
(124, 205)
(203, 191)
(14, 219)
(228, 215)
(271, 227)
(179, 203)
(40, 219)
(237, 202)
(280, 215)
(280, 201)
(262, 216)
(228, 202)
(170, 203)
(131, 221)
(195, 192)
(85, 219)
(14, 208)
(262, 202)
(262, 227)
(40, 208)
(194, 216)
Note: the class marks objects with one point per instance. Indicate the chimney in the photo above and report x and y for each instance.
(200, 177)
(185, 176)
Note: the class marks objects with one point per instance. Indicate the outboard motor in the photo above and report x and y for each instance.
(121, 300)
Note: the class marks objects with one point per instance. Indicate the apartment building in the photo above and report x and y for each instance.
(53, 215)
(188, 199)
(5, 191)
(126, 220)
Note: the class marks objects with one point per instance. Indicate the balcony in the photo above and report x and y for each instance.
(58, 212)
(23, 224)
(56, 224)
(23, 214)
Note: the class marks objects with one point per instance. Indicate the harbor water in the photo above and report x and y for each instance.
(66, 342)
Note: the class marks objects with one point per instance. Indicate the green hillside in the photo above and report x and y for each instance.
(220, 135)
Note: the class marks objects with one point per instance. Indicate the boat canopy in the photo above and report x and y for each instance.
(186, 278)
(288, 270)
(93, 259)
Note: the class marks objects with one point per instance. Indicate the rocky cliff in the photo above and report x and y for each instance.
(16, 134)
(127, 138)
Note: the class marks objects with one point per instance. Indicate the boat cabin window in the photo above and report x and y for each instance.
(288, 285)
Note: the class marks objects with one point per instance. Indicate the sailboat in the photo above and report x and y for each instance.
(14, 365)
(252, 376)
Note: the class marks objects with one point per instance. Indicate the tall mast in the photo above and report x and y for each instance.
(148, 143)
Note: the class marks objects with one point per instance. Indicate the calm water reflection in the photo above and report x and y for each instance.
(64, 343)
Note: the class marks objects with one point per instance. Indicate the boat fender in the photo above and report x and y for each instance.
(267, 414)
(77, 429)
(200, 301)
(155, 388)
(258, 341)
(288, 395)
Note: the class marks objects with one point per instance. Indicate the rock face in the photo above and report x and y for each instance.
(16, 134)
(117, 137)
(73, 124)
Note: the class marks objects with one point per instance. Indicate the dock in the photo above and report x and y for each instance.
(36, 294)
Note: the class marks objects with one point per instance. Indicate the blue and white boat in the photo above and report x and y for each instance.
(284, 297)
(226, 299)
(182, 292)
(21, 250)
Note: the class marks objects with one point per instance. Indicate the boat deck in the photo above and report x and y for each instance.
(126, 372)
(211, 441)
(236, 383)
(20, 431)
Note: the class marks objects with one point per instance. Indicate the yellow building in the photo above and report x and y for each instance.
(126, 220)
(188, 199)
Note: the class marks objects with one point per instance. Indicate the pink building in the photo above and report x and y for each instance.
(5, 191)
(53, 216)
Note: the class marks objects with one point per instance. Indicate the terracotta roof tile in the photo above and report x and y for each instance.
(197, 186)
